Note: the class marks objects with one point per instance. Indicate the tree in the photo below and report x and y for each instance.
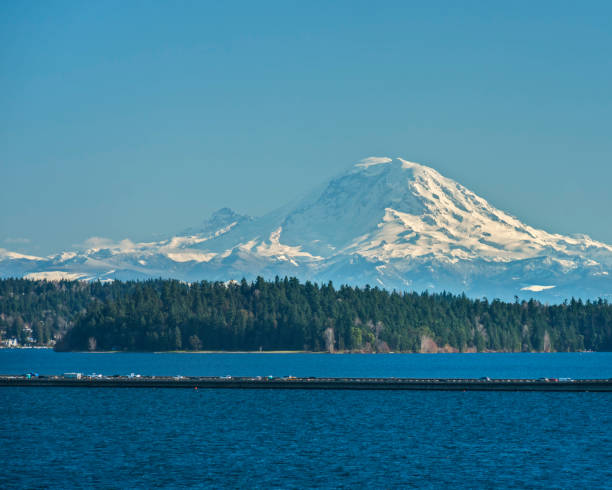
(92, 343)
(178, 339)
(195, 343)
(328, 337)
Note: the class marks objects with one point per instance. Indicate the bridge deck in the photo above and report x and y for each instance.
(310, 383)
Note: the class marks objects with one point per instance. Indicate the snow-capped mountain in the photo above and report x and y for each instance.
(385, 222)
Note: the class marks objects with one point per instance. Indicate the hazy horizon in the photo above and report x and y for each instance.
(141, 119)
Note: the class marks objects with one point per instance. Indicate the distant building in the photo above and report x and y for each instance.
(10, 343)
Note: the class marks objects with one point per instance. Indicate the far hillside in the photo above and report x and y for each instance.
(284, 314)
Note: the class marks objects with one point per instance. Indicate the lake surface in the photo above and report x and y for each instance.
(117, 438)
(559, 365)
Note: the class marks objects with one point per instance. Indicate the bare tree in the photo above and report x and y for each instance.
(328, 336)
(377, 329)
(547, 344)
(92, 343)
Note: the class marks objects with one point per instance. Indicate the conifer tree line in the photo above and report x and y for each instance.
(284, 314)
(40, 312)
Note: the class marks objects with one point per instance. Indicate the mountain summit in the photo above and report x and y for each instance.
(386, 222)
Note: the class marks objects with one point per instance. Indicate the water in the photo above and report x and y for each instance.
(117, 438)
(561, 365)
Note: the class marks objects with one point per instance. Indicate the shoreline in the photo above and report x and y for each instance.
(288, 352)
(285, 351)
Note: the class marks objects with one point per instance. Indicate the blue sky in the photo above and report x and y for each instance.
(129, 119)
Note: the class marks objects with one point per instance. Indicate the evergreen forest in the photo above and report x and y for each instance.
(284, 314)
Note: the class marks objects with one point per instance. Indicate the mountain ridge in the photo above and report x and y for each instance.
(385, 222)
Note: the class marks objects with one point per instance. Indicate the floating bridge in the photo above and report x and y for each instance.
(287, 383)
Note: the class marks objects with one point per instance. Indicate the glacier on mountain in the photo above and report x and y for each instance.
(385, 222)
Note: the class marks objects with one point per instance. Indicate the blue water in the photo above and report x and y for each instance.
(560, 365)
(118, 438)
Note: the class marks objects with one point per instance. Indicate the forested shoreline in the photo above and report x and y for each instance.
(284, 314)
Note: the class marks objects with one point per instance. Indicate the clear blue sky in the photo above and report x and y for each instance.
(126, 119)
